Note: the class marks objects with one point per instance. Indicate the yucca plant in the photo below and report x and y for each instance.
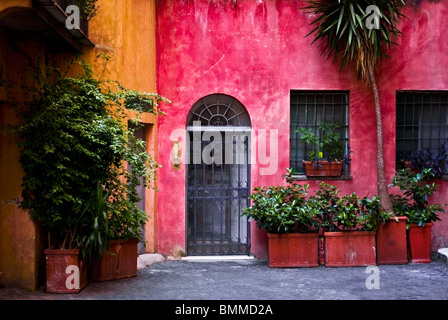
(357, 34)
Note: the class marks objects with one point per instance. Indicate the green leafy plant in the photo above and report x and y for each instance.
(89, 8)
(347, 212)
(74, 141)
(282, 209)
(414, 202)
(326, 199)
(427, 158)
(324, 143)
(94, 230)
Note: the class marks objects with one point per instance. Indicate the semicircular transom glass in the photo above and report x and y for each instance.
(219, 110)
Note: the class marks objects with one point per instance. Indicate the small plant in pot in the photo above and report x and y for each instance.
(291, 224)
(326, 156)
(349, 223)
(428, 159)
(414, 204)
(111, 244)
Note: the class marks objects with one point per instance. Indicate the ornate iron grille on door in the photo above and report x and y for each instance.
(218, 177)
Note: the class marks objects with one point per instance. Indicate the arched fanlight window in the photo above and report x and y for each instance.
(218, 110)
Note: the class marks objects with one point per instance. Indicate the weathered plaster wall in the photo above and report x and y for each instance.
(125, 31)
(256, 51)
(21, 240)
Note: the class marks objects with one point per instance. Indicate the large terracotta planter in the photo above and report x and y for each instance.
(350, 248)
(420, 242)
(118, 263)
(293, 250)
(65, 271)
(324, 169)
(391, 242)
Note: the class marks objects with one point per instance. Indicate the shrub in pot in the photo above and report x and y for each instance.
(71, 142)
(413, 203)
(349, 224)
(290, 222)
(111, 245)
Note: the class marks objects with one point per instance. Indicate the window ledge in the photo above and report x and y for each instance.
(303, 177)
(441, 178)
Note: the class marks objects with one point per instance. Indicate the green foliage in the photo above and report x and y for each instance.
(287, 209)
(94, 228)
(282, 209)
(427, 158)
(340, 27)
(413, 203)
(347, 212)
(325, 143)
(74, 139)
(88, 7)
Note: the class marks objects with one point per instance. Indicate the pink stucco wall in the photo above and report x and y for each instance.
(256, 51)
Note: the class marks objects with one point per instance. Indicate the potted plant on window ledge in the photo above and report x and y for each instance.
(290, 222)
(414, 205)
(326, 157)
(428, 159)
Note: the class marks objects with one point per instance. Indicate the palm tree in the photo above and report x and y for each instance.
(346, 31)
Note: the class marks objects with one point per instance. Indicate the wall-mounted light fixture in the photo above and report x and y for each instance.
(176, 155)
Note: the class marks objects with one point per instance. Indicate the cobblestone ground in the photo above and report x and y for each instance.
(252, 280)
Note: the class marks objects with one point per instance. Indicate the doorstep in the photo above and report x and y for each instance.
(215, 258)
(146, 259)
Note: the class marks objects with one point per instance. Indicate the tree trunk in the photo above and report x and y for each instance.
(385, 202)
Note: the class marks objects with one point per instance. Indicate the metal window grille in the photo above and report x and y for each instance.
(308, 109)
(421, 122)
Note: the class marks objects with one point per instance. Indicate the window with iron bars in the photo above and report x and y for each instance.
(421, 124)
(308, 109)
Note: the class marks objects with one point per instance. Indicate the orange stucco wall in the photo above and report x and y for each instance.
(124, 30)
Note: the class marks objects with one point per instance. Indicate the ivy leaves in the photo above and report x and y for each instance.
(74, 138)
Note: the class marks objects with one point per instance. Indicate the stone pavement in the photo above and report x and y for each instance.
(251, 279)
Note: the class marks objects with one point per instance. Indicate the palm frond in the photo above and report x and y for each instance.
(340, 29)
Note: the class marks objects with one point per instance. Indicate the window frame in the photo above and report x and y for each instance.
(410, 126)
(317, 105)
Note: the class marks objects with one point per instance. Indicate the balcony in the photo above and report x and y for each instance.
(48, 18)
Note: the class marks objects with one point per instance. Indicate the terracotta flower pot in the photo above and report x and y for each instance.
(120, 262)
(293, 250)
(350, 248)
(65, 271)
(391, 242)
(324, 168)
(420, 242)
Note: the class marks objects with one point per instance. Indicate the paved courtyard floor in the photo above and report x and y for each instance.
(252, 280)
